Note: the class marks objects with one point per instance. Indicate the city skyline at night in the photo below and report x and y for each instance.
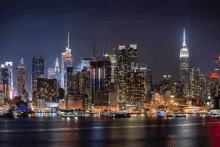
(159, 35)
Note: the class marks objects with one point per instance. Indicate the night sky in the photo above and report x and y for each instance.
(40, 27)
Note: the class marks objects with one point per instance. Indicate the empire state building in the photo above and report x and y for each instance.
(184, 62)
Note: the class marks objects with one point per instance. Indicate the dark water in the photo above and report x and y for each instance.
(95, 131)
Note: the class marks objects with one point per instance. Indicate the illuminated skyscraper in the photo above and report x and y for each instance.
(97, 80)
(217, 67)
(195, 90)
(9, 65)
(111, 56)
(69, 81)
(149, 79)
(205, 88)
(50, 72)
(37, 70)
(132, 57)
(20, 79)
(66, 62)
(85, 64)
(122, 73)
(135, 87)
(184, 62)
(57, 71)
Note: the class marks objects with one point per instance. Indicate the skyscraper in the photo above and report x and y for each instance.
(20, 78)
(135, 87)
(37, 70)
(4, 74)
(50, 72)
(148, 79)
(111, 56)
(122, 73)
(195, 90)
(69, 81)
(205, 88)
(66, 62)
(9, 65)
(184, 62)
(97, 79)
(217, 67)
(57, 71)
(132, 57)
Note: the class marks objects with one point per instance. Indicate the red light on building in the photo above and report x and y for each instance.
(213, 75)
(68, 59)
(219, 58)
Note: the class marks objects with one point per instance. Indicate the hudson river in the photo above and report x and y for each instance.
(95, 131)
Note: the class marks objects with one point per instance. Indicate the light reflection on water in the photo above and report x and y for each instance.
(95, 130)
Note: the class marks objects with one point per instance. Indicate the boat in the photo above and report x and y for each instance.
(161, 114)
(70, 115)
(120, 115)
(170, 115)
(180, 115)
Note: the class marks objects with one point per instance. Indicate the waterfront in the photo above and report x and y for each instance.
(139, 130)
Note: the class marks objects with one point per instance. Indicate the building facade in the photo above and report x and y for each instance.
(135, 87)
(37, 70)
(9, 65)
(122, 74)
(69, 82)
(195, 90)
(205, 88)
(67, 61)
(21, 79)
(132, 57)
(184, 62)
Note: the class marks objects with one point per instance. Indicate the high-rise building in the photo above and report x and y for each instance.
(85, 64)
(46, 88)
(51, 73)
(205, 88)
(69, 81)
(195, 91)
(21, 79)
(135, 87)
(111, 56)
(184, 62)
(84, 81)
(9, 65)
(132, 57)
(122, 73)
(4, 75)
(97, 80)
(214, 85)
(37, 70)
(57, 72)
(148, 79)
(67, 61)
(217, 67)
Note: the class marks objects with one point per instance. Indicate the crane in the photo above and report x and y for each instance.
(94, 47)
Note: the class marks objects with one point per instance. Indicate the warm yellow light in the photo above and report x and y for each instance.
(171, 100)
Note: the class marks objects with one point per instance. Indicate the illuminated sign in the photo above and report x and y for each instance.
(213, 75)
(68, 59)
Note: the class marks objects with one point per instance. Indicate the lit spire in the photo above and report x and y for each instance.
(57, 66)
(22, 61)
(184, 38)
(68, 40)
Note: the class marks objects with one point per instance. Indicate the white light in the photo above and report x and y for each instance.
(8, 63)
(120, 47)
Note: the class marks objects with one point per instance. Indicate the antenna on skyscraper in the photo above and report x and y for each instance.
(109, 42)
(68, 41)
(94, 47)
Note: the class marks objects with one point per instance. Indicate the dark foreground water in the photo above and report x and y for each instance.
(95, 131)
